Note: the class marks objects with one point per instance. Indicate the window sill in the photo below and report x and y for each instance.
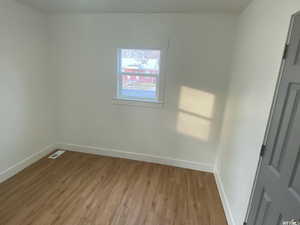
(130, 102)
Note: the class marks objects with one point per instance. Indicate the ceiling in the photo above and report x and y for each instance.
(138, 6)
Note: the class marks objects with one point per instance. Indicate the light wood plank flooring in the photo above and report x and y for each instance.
(83, 189)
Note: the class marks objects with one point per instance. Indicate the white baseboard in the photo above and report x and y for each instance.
(224, 199)
(138, 156)
(26, 162)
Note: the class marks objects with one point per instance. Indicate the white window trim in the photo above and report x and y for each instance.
(160, 84)
(131, 102)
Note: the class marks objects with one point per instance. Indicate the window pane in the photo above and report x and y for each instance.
(138, 87)
(140, 61)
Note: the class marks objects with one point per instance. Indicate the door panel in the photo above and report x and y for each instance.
(295, 180)
(264, 208)
(276, 196)
(285, 126)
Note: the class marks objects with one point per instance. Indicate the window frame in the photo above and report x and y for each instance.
(119, 99)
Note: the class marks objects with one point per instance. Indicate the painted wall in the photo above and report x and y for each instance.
(26, 95)
(198, 62)
(262, 32)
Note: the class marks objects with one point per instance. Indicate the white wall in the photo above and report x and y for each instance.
(262, 32)
(198, 64)
(82, 67)
(80, 62)
(26, 94)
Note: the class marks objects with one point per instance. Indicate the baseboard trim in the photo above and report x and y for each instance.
(138, 156)
(13, 170)
(224, 199)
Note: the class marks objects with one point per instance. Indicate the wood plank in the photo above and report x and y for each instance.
(84, 189)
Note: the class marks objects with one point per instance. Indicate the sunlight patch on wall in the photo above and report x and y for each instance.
(196, 101)
(196, 108)
(193, 126)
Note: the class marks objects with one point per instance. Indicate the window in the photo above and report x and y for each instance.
(139, 75)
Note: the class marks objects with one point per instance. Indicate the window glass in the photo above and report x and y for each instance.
(138, 74)
(140, 61)
(140, 87)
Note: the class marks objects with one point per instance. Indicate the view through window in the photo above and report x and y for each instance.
(138, 74)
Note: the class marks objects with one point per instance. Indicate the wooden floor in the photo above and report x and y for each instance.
(83, 189)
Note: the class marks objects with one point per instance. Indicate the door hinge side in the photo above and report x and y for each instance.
(263, 150)
(285, 52)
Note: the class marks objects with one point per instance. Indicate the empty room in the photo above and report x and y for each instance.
(150, 112)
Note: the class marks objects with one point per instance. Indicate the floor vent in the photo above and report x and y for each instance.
(56, 154)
